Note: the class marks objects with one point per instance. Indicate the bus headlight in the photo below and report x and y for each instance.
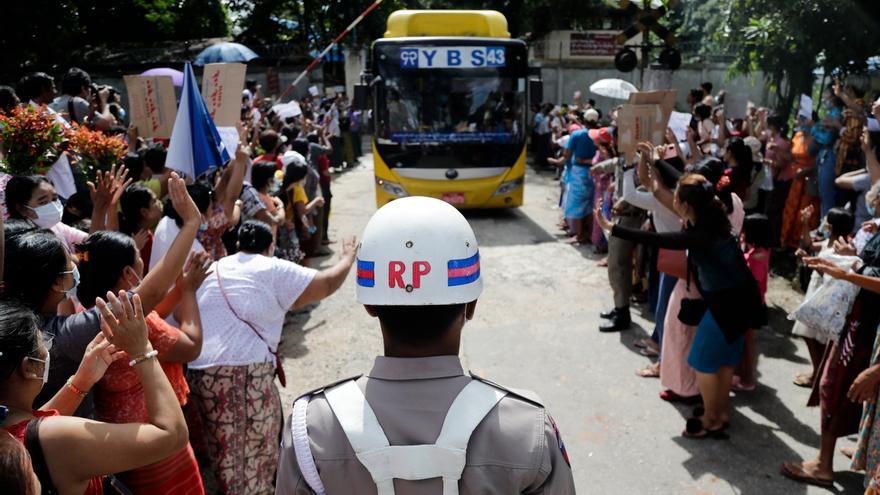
(391, 187)
(508, 187)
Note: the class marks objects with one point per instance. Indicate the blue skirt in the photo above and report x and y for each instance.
(579, 192)
(710, 349)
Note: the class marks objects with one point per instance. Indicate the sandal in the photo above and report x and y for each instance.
(670, 396)
(737, 385)
(803, 477)
(699, 411)
(804, 380)
(694, 429)
(644, 342)
(848, 452)
(648, 372)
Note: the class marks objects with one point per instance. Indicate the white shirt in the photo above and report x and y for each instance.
(164, 236)
(261, 289)
(664, 219)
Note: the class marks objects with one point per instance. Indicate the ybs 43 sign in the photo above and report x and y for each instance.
(452, 57)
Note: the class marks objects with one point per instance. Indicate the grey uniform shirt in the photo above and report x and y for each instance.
(515, 449)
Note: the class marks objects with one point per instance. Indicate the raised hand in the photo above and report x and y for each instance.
(197, 269)
(99, 355)
(182, 202)
(123, 323)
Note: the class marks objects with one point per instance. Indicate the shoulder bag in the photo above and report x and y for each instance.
(279, 370)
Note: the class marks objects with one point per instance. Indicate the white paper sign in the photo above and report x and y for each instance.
(314, 91)
(679, 122)
(806, 109)
(287, 110)
(229, 137)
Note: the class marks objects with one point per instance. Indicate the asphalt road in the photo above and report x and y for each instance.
(536, 328)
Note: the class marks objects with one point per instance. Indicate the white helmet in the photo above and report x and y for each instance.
(418, 251)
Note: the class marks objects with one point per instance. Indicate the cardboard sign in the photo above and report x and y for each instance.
(664, 98)
(638, 123)
(222, 85)
(735, 105)
(806, 108)
(152, 104)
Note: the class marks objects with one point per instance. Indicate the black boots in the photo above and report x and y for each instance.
(619, 320)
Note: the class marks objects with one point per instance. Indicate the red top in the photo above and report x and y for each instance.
(119, 396)
(96, 484)
(276, 159)
(146, 251)
(325, 178)
(758, 260)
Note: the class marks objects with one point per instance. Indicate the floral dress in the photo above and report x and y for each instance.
(867, 455)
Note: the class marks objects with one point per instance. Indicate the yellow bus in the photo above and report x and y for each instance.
(449, 93)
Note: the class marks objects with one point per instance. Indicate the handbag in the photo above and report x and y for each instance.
(672, 262)
(279, 370)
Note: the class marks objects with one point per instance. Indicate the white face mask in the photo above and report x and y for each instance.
(45, 362)
(49, 214)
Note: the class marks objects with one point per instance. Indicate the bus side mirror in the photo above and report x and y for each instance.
(361, 96)
(536, 91)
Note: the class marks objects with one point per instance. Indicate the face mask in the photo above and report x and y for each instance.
(203, 227)
(871, 209)
(49, 214)
(71, 292)
(45, 362)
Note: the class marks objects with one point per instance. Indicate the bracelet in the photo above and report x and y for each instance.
(73, 388)
(141, 359)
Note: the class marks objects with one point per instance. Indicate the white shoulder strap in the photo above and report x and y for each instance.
(300, 441)
(446, 459)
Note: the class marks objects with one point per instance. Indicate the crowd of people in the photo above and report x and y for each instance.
(141, 312)
(692, 226)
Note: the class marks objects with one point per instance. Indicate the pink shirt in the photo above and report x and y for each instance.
(758, 260)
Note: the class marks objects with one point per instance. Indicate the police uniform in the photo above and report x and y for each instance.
(515, 449)
(417, 426)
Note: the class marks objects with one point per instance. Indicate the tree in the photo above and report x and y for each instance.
(789, 40)
(44, 33)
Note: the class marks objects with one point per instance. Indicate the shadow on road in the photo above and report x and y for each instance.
(508, 227)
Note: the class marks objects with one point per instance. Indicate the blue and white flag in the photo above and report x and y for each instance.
(195, 146)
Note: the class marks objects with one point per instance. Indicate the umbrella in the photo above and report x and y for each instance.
(195, 146)
(225, 52)
(176, 75)
(613, 88)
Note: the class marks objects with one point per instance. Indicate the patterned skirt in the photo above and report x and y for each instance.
(240, 412)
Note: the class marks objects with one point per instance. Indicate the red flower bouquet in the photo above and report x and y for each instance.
(97, 150)
(31, 139)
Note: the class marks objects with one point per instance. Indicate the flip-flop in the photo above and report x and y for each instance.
(694, 429)
(804, 478)
(737, 385)
(698, 413)
(804, 380)
(848, 452)
(648, 372)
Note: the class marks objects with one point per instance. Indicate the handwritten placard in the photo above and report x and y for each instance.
(221, 89)
(152, 104)
(639, 123)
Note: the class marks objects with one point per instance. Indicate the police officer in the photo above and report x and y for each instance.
(417, 423)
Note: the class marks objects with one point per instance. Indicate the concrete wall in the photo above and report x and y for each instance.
(561, 80)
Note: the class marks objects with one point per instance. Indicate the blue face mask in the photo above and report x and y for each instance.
(71, 292)
(871, 209)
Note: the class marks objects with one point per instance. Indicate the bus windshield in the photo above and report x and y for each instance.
(443, 107)
(450, 117)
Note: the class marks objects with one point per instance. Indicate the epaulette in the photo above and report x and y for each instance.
(526, 395)
(329, 385)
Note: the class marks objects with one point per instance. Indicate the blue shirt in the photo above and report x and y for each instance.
(581, 146)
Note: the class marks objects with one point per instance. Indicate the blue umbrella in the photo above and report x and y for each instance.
(225, 52)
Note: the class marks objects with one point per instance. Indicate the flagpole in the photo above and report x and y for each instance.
(332, 45)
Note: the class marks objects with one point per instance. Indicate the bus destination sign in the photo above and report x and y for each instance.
(451, 57)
